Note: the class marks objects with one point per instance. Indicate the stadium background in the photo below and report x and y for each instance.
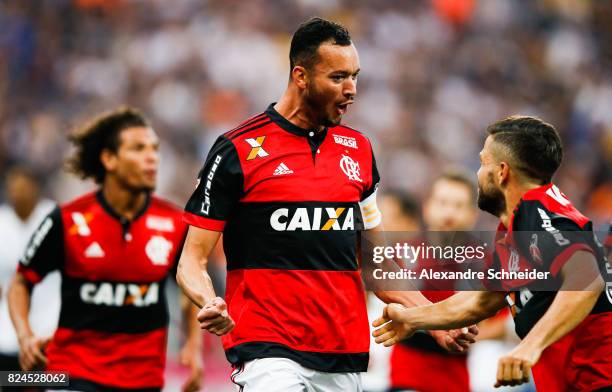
(434, 73)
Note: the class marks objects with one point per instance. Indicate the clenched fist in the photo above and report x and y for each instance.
(214, 317)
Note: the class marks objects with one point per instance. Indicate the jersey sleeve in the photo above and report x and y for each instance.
(372, 216)
(220, 186)
(45, 250)
(548, 240)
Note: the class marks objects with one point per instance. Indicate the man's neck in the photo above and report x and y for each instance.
(124, 202)
(513, 194)
(293, 108)
(24, 213)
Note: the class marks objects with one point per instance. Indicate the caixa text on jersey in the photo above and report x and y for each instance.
(313, 219)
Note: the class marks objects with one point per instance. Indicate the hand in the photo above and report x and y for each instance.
(214, 317)
(191, 356)
(456, 340)
(31, 356)
(393, 326)
(514, 368)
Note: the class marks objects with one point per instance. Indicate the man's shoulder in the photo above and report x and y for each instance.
(79, 202)
(6, 210)
(351, 137)
(165, 205)
(546, 208)
(246, 127)
(343, 129)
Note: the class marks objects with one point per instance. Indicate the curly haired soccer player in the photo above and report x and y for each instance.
(115, 248)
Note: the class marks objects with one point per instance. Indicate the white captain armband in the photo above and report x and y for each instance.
(370, 212)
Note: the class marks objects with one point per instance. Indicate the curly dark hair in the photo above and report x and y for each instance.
(101, 133)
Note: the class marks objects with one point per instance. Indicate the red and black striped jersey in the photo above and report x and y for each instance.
(289, 202)
(543, 233)
(113, 321)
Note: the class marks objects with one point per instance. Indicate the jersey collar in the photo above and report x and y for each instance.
(107, 207)
(290, 127)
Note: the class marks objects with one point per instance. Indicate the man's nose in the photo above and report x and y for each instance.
(350, 88)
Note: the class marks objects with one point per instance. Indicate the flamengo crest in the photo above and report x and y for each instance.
(350, 168)
(158, 250)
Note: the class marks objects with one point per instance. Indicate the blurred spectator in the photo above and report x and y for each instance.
(20, 217)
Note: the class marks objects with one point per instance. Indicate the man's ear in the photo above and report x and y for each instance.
(108, 159)
(503, 173)
(299, 75)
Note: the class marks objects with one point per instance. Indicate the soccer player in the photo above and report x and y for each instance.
(290, 189)
(114, 248)
(566, 335)
(450, 206)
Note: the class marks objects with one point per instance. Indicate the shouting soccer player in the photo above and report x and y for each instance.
(114, 248)
(566, 334)
(290, 189)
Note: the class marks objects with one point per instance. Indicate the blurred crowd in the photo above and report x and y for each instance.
(434, 74)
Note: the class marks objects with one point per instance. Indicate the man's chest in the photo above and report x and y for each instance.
(99, 247)
(292, 168)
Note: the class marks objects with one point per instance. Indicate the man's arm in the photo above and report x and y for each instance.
(44, 253)
(568, 309)
(19, 294)
(409, 298)
(192, 275)
(195, 282)
(191, 352)
(461, 310)
(454, 340)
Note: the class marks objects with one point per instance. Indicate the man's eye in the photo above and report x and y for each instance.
(337, 78)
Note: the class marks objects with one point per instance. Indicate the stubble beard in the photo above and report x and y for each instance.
(315, 101)
(492, 202)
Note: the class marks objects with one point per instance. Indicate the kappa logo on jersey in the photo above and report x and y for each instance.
(209, 177)
(119, 294)
(346, 141)
(547, 225)
(158, 249)
(609, 291)
(94, 251)
(350, 168)
(313, 219)
(256, 148)
(282, 169)
(36, 240)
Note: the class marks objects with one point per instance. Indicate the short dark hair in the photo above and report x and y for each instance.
(310, 35)
(534, 145)
(101, 133)
(461, 176)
